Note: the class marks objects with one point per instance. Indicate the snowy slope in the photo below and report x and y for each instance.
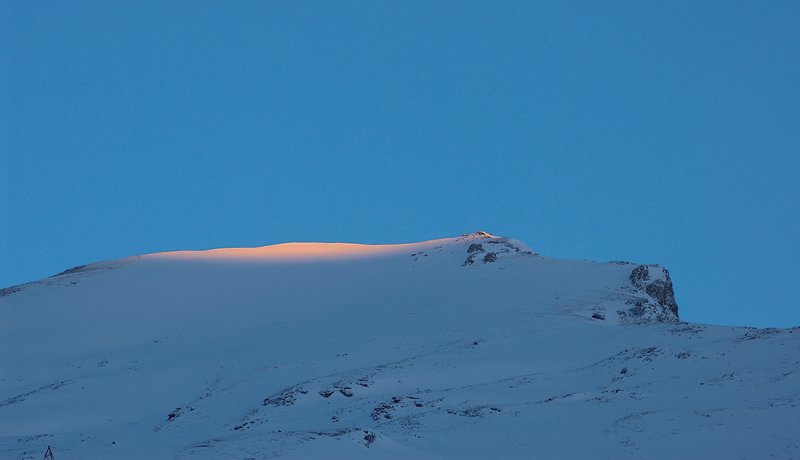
(469, 347)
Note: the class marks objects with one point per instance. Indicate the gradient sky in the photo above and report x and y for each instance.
(658, 132)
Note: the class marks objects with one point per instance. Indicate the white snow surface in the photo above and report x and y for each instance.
(424, 350)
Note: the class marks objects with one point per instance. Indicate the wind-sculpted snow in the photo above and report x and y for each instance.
(468, 347)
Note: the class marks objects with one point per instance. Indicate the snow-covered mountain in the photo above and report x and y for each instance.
(468, 347)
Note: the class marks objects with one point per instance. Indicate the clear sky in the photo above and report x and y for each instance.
(660, 132)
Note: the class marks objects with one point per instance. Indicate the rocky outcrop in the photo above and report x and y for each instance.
(654, 300)
(659, 289)
(500, 246)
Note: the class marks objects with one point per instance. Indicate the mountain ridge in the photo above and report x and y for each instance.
(465, 347)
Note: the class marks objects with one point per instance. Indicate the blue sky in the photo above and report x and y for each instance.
(660, 132)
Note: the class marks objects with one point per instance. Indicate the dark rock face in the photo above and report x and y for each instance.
(639, 274)
(174, 414)
(662, 292)
(658, 289)
(501, 247)
(475, 247)
(346, 391)
(285, 397)
(10, 290)
(78, 269)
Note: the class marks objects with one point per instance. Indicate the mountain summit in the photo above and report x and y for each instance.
(466, 347)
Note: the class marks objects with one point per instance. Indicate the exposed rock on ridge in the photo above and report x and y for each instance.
(658, 302)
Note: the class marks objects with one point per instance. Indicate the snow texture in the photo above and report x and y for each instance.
(468, 347)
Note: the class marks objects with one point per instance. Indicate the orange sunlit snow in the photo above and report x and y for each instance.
(300, 251)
